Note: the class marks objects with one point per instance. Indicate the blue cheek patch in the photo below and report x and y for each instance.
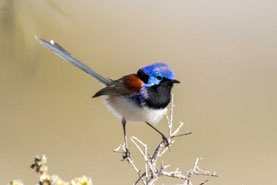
(152, 81)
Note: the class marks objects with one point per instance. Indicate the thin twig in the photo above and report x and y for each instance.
(151, 171)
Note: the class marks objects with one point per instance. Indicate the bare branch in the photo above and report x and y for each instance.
(203, 182)
(122, 149)
(152, 171)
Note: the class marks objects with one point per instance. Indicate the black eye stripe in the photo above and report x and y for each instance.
(143, 76)
(159, 77)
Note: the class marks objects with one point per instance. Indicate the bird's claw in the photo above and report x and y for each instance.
(126, 154)
(166, 141)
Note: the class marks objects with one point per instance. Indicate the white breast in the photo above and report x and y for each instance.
(124, 107)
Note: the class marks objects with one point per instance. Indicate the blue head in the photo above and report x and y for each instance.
(155, 73)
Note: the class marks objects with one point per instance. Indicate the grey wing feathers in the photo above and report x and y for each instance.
(116, 88)
(58, 50)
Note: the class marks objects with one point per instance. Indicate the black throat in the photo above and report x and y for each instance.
(159, 95)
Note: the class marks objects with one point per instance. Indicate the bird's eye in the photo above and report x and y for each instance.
(159, 77)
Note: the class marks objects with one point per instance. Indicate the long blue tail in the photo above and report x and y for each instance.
(58, 50)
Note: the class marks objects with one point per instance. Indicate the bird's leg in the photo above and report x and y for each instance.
(165, 140)
(127, 153)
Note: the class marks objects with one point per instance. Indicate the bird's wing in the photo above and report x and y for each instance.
(125, 86)
(58, 50)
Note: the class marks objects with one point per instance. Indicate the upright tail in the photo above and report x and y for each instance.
(58, 50)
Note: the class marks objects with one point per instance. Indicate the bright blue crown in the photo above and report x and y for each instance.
(157, 72)
(159, 69)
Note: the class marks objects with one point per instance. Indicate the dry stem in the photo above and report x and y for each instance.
(151, 171)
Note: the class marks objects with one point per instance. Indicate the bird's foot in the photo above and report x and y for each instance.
(126, 154)
(166, 141)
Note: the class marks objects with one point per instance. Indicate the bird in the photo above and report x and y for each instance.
(138, 97)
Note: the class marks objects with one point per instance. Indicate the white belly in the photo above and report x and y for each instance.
(123, 107)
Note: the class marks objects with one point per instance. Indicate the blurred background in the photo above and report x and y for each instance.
(223, 52)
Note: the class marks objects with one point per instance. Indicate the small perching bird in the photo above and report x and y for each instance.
(140, 97)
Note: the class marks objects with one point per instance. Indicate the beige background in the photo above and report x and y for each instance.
(223, 52)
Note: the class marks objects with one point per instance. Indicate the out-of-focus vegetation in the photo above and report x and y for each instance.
(20, 20)
(45, 178)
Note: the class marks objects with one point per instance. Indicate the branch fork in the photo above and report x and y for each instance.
(152, 171)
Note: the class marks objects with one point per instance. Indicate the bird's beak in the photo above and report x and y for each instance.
(176, 81)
